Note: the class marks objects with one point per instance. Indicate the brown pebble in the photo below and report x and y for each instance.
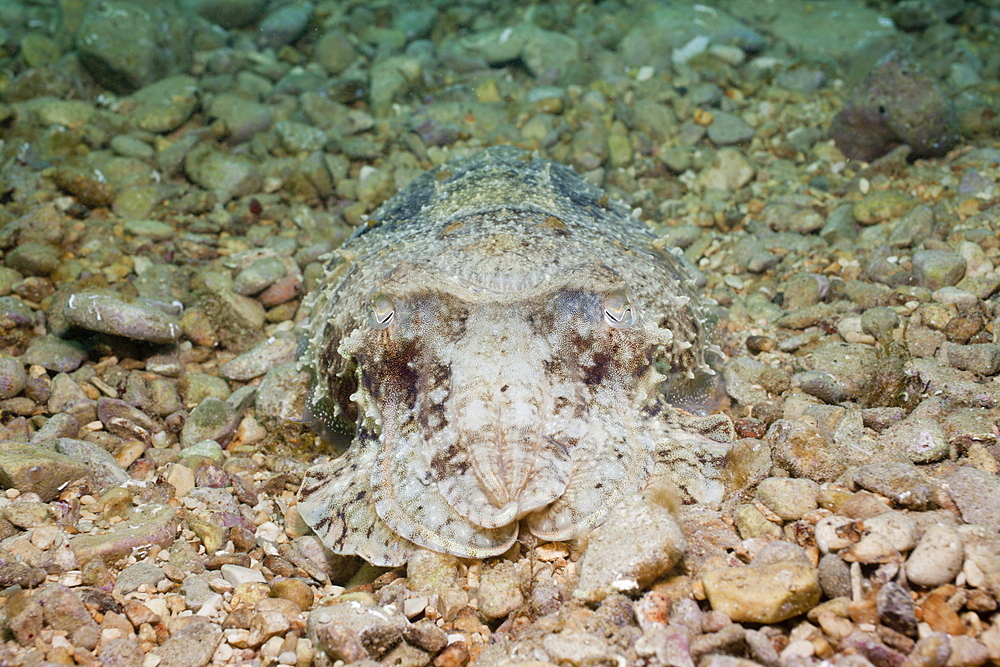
(295, 590)
(961, 328)
(935, 611)
(758, 344)
(454, 655)
(748, 427)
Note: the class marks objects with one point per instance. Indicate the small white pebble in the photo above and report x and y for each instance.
(223, 653)
(414, 606)
(237, 574)
(151, 660)
(864, 186)
(287, 658)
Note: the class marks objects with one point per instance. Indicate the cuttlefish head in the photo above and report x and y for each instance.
(491, 407)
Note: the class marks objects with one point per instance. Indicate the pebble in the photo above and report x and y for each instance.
(257, 361)
(937, 558)
(500, 590)
(136, 575)
(789, 498)
(935, 269)
(765, 594)
(729, 171)
(352, 631)
(236, 574)
(147, 525)
(903, 483)
(982, 358)
(13, 377)
(977, 495)
(727, 129)
(921, 440)
(57, 607)
(165, 105)
(54, 354)
(109, 313)
(191, 646)
(896, 528)
(213, 419)
(40, 470)
(606, 569)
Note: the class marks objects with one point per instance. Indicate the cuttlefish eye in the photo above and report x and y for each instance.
(380, 311)
(619, 312)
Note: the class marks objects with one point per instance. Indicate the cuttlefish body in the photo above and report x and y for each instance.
(506, 341)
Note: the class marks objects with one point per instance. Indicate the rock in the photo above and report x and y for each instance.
(500, 589)
(259, 360)
(982, 358)
(243, 118)
(789, 498)
(120, 652)
(665, 29)
(804, 450)
(658, 546)
(283, 393)
(73, 114)
(431, 573)
(352, 631)
(334, 51)
(125, 46)
(13, 377)
(895, 609)
(834, 576)
(146, 525)
(937, 558)
(977, 495)
(103, 470)
(297, 138)
(727, 129)
(920, 439)
(33, 259)
(40, 470)
(165, 105)
(765, 594)
(284, 25)
(213, 419)
(192, 646)
(237, 574)
(895, 104)
(226, 13)
(57, 607)
(549, 55)
(729, 171)
(54, 354)
(935, 269)
(897, 529)
(136, 575)
(903, 483)
(294, 590)
(882, 206)
(232, 175)
(111, 314)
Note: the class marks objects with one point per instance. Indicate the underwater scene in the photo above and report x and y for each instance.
(466, 332)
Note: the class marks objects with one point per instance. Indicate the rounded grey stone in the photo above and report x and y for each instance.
(111, 314)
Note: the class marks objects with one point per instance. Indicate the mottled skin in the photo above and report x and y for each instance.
(499, 333)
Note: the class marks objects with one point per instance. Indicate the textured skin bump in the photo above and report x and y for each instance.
(503, 337)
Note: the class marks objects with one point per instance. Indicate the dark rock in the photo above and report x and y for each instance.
(895, 104)
(126, 45)
(28, 468)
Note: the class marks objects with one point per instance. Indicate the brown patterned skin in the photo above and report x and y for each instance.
(503, 337)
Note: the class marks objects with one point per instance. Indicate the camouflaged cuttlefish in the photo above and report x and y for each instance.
(503, 337)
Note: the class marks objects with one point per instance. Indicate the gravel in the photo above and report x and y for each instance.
(174, 180)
